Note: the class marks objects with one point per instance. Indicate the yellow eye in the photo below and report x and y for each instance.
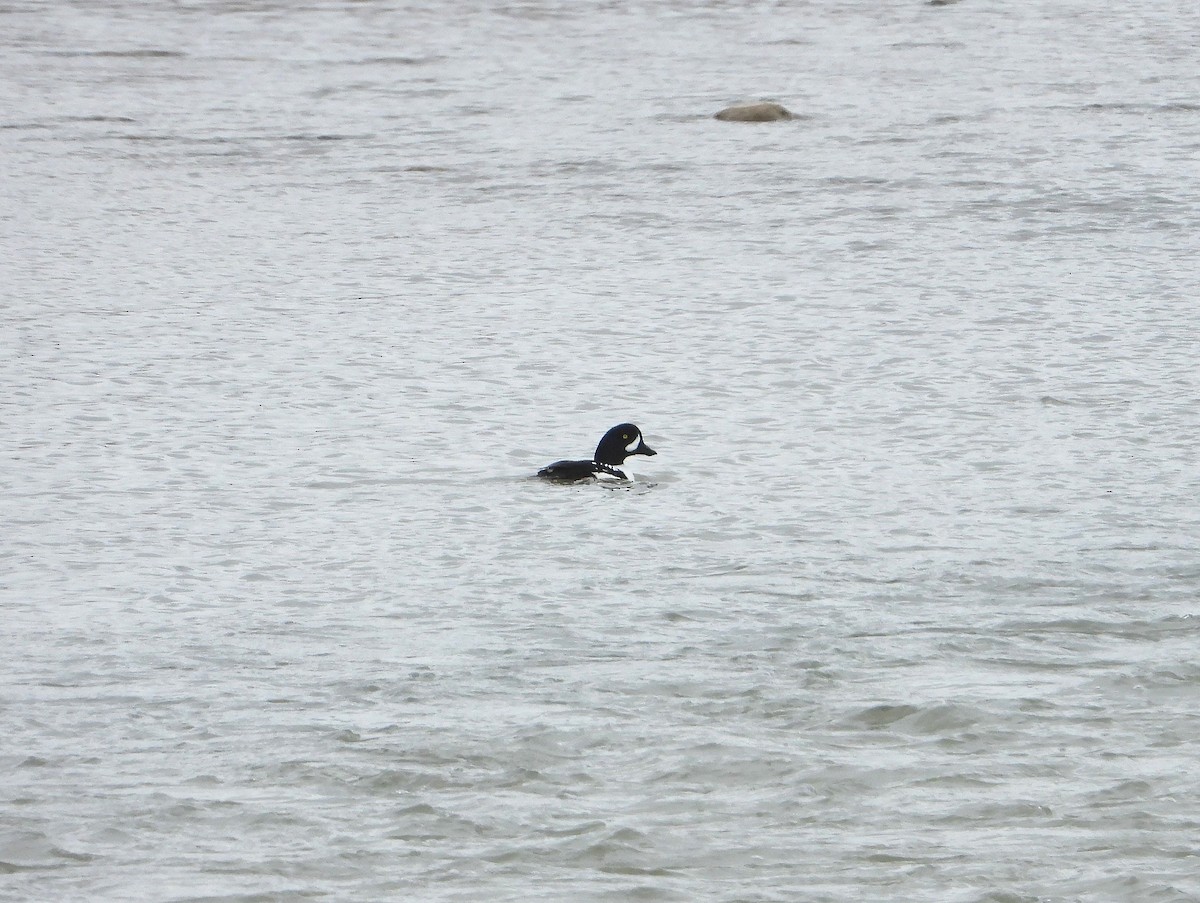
(624, 435)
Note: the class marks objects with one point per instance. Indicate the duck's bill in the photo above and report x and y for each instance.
(644, 449)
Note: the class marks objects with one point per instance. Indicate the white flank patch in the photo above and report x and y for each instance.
(614, 474)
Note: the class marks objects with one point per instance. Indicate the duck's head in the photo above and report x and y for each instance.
(619, 443)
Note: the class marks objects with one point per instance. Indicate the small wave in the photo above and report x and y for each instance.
(138, 54)
(934, 719)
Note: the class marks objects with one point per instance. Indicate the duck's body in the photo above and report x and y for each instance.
(575, 471)
(619, 443)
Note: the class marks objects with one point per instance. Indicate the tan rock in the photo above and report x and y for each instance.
(755, 112)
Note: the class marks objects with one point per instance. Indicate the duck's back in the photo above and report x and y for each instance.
(568, 471)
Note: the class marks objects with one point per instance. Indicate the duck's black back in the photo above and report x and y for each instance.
(568, 471)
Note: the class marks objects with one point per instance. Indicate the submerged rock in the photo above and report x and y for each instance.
(755, 112)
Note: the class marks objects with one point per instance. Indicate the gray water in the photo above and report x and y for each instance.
(297, 296)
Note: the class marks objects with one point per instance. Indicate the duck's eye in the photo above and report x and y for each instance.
(624, 435)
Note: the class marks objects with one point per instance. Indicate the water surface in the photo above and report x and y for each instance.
(295, 297)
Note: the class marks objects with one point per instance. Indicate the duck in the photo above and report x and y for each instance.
(607, 464)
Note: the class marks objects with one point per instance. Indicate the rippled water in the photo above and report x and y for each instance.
(296, 296)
